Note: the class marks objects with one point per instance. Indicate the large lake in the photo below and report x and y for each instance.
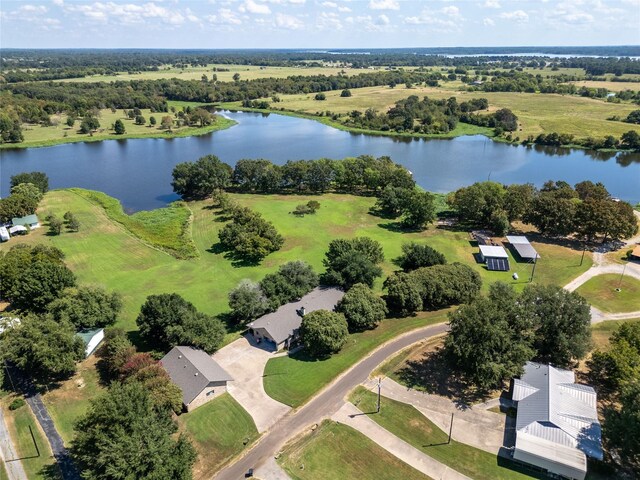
(138, 172)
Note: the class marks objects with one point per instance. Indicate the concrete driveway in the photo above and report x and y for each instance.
(245, 361)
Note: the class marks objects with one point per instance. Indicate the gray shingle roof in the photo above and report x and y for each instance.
(282, 323)
(192, 370)
(552, 408)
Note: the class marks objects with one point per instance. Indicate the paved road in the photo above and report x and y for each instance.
(8, 453)
(323, 405)
(34, 400)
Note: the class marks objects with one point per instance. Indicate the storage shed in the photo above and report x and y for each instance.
(30, 221)
(91, 338)
(495, 257)
(523, 247)
(4, 234)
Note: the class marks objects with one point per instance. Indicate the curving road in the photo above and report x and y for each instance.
(323, 405)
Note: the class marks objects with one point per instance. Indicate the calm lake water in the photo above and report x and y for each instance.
(138, 172)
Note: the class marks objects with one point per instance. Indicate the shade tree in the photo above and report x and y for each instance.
(86, 307)
(362, 308)
(323, 332)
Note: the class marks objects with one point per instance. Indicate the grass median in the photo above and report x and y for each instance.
(601, 291)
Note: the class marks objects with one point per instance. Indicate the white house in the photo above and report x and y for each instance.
(30, 221)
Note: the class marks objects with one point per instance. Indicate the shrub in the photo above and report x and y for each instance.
(416, 255)
(362, 308)
(320, 96)
(16, 403)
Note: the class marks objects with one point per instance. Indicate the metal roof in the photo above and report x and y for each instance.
(192, 370)
(493, 251)
(282, 323)
(88, 333)
(553, 408)
(517, 239)
(523, 247)
(27, 220)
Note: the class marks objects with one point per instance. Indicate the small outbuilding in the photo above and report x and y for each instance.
(280, 328)
(4, 234)
(495, 257)
(30, 221)
(18, 229)
(199, 376)
(635, 253)
(523, 247)
(92, 337)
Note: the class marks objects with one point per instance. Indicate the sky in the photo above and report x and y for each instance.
(316, 23)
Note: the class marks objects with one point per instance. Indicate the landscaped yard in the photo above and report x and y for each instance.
(37, 460)
(601, 292)
(220, 430)
(410, 425)
(336, 452)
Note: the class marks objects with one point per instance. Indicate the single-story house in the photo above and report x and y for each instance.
(91, 338)
(199, 376)
(495, 257)
(4, 234)
(557, 424)
(523, 247)
(280, 328)
(30, 221)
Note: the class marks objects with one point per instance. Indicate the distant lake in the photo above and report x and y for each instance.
(138, 171)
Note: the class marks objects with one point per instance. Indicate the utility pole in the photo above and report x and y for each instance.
(622, 275)
(379, 387)
(450, 429)
(583, 252)
(533, 270)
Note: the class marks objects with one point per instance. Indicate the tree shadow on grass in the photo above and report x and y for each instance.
(237, 261)
(433, 374)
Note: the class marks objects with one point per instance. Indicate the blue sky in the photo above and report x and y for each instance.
(316, 23)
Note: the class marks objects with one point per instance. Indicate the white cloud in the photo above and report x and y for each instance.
(383, 20)
(330, 4)
(250, 6)
(32, 9)
(491, 4)
(329, 21)
(58, 3)
(289, 22)
(224, 17)
(451, 10)
(487, 22)
(384, 5)
(519, 16)
(344, 9)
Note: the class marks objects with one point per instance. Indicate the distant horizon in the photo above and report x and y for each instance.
(334, 24)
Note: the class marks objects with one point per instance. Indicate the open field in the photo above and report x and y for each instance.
(601, 292)
(70, 401)
(410, 425)
(38, 462)
(537, 113)
(247, 72)
(611, 86)
(220, 430)
(59, 132)
(104, 253)
(336, 452)
(294, 379)
(601, 332)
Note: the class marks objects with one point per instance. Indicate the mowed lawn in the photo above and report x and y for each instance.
(600, 291)
(537, 113)
(37, 459)
(104, 253)
(59, 132)
(220, 430)
(336, 452)
(408, 424)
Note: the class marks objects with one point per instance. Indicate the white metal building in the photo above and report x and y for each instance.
(557, 424)
(523, 247)
(495, 257)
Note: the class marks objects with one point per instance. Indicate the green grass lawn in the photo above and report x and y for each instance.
(71, 401)
(410, 425)
(59, 132)
(601, 332)
(38, 463)
(294, 379)
(601, 292)
(3, 472)
(220, 430)
(336, 452)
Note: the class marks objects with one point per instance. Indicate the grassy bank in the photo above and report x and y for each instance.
(294, 379)
(220, 430)
(600, 291)
(59, 133)
(410, 425)
(336, 452)
(106, 253)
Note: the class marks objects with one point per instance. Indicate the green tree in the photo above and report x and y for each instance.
(115, 352)
(362, 308)
(201, 179)
(353, 261)
(416, 255)
(140, 120)
(70, 121)
(168, 320)
(28, 190)
(17, 206)
(236, 77)
(562, 323)
(622, 427)
(89, 124)
(123, 435)
(164, 394)
(320, 96)
(247, 302)
(33, 276)
(249, 236)
(517, 200)
(418, 210)
(553, 210)
(618, 365)
(152, 121)
(489, 342)
(323, 332)
(292, 281)
(475, 204)
(118, 127)
(87, 307)
(403, 294)
(45, 349)
(55, 225)
(39, 179)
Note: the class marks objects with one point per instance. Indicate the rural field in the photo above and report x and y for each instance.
(601, 292)
(537, 113)
(42, 136)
